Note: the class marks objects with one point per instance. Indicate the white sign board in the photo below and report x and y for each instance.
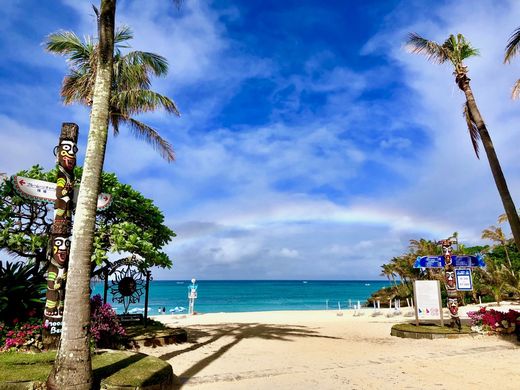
(463, 279)
(427, 299)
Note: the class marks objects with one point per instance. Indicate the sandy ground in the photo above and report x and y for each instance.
(321, 350)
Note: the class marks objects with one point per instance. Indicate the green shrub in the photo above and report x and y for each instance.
(21, 292)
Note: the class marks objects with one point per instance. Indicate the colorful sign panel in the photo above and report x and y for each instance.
(456, 261)
(467, 261)
(464, 279)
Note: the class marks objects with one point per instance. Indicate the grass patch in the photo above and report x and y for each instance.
(431, 328)
(152, 328)
(116, 368)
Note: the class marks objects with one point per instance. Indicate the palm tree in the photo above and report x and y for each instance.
(130, 95)
(496, 234)
(455, 50)
(73, 367)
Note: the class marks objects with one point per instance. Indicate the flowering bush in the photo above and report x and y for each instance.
(494, 320)
(106, 330)
(21, 337)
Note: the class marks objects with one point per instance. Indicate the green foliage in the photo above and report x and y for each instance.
(132, 223)
(21, 292)
(130, 92)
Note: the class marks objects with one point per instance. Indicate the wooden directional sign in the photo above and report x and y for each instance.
(45, 191)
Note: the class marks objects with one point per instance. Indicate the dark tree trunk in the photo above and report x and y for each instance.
(494, 164)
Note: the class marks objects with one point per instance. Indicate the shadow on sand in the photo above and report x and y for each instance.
(236, 332)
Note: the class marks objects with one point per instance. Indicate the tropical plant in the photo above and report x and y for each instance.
(455, 50)
(496, 234)
(21, 292)
(73, 368)
(130, 94)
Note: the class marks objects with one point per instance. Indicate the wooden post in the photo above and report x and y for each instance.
(61, 230)
(105, 285)
(147, 288)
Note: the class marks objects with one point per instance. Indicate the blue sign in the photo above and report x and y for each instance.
(467, 261)
(429, 262)
(463, 279)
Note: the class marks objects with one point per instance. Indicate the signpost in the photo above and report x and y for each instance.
(456, 278)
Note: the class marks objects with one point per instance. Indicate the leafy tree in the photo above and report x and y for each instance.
(455, 50)
(132, 223)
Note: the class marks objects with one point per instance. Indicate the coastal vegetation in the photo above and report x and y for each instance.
(497, 281)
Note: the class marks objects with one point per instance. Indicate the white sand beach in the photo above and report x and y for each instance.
(321, 350)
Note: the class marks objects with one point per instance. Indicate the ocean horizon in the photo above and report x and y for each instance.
(215, 296)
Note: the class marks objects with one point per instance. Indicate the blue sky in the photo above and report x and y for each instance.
(311, 144)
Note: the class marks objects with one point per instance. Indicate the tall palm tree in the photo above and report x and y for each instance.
(496, 234)
(455, 50)
(73, 366)
(130, 95)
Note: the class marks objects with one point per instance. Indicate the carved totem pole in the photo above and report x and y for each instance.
(61, 230)
(449, 278)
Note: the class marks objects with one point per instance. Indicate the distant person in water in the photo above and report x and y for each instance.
(164, 310)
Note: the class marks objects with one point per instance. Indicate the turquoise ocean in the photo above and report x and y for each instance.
(250, 295)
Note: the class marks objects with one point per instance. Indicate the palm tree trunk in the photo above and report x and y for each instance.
(72, 368)
(494, 164)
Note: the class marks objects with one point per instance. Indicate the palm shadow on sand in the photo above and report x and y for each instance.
(237, 332)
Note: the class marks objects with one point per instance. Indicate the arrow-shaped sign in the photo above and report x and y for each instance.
(45, 191)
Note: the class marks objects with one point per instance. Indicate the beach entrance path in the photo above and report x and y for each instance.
(320, 350)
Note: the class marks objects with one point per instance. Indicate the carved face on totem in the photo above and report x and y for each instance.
(60, 250)
(453, 306)
(449, 276)
(66, 154)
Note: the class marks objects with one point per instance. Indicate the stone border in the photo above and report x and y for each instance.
(161, 338)
(427, 335)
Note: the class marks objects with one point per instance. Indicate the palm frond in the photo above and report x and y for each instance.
(513, 45)
(148, 134)
(130, 76)
(154, 63)
(67, 43)
(515, 92)
(472, 128)
(122, 34)
(77, 87)
(433, 51)
(138, 101)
